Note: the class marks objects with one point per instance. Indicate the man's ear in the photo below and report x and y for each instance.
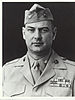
(54, 32)
(23, 32)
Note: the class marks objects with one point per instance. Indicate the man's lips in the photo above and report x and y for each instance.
(37, 43)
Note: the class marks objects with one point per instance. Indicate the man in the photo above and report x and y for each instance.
(41, 72)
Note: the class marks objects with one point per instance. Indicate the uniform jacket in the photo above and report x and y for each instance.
(57, 79)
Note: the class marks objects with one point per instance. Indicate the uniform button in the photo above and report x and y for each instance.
(56, 61)
(35, 89)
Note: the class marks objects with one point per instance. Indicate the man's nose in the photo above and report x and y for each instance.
(37, 34)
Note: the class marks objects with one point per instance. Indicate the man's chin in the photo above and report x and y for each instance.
(38, 50)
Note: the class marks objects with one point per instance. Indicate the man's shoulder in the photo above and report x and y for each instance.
(67, 61)
(12, 62)
(70, 65)
(15, 62)
(64, 60)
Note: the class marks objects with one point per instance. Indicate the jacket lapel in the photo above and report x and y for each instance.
(26, 71)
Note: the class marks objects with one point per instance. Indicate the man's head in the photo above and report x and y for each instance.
(39, 31)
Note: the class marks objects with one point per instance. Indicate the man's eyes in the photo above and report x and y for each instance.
(41, 30)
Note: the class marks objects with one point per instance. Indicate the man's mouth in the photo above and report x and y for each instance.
(37, 43)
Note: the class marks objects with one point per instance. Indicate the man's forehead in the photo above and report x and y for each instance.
(39, 24)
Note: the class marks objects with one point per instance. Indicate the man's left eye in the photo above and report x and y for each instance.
(44, 30)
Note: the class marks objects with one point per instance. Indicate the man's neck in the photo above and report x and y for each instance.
(39, 55)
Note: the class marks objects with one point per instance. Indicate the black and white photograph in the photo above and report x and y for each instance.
(38, 49)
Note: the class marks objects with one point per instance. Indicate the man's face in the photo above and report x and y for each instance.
(38, 36)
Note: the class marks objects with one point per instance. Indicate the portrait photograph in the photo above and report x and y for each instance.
(38, 49)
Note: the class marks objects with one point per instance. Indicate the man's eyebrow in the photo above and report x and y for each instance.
(38, 28)
(29, 27)
(43, 28)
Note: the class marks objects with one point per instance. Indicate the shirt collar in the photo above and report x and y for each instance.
(42, 61)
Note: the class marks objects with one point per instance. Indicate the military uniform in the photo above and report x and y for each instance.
(57, 79)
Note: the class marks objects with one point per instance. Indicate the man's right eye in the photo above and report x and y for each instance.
(30, 30)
